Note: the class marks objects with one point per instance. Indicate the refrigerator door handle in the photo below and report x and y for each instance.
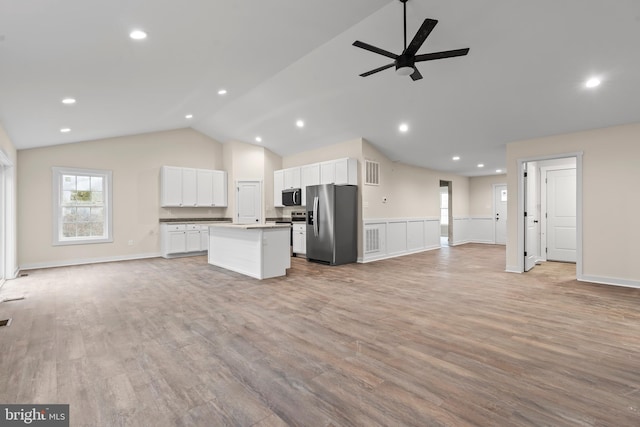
(316, 225)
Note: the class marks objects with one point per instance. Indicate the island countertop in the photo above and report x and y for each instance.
(249, 226)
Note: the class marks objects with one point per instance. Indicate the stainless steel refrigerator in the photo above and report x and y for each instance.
(332, 223)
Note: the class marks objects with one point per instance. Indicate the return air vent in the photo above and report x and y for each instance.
(372, 173)
(372, 243)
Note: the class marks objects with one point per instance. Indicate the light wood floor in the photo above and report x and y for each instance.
(438, 338)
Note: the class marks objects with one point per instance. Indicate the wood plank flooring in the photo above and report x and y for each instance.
(441, 338)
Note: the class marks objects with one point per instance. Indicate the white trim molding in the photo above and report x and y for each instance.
(81, 261)
(610, 281)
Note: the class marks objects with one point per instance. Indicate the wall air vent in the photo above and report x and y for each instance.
(372, 243)
(372, 173)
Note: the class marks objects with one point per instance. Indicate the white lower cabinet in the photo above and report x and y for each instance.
(183, 239)
(299, 238)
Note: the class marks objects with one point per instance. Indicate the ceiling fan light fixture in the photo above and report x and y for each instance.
(404, 71)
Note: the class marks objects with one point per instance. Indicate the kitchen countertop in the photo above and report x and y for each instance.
(250, 226)
(223, 220)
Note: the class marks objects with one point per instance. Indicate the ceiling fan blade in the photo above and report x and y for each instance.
(441, 55)
(374, 49)
(368, 73)
(416, 75)
(422, 34)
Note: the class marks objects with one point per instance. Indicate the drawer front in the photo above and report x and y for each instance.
(299, 227)
(176, 227)
(193, 227)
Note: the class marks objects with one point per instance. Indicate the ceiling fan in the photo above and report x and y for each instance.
(405, 62)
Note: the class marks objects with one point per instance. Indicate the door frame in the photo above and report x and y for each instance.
(8, 249)
(449, 185)
(520, 211)
(495, 211)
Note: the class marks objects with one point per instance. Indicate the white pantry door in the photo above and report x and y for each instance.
(249, 202)
(561, 215)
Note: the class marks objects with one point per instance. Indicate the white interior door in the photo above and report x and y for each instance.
(561, 215)
(249, 202)
(500, 207)
(530, 221)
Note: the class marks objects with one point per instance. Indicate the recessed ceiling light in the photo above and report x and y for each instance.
(300, 123)
(592, 82)
(403, 127)
(138, 35)
(480, 165)
(69, 101)
(65, 130)
(222, 92)
(258, 139)
(498, 170)
(456, 158)
(189, 116)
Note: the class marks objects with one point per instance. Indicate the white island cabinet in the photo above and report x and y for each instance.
(256, 250)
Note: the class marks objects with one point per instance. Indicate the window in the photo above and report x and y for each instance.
(82, 206)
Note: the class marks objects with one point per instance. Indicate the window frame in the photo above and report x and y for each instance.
(58, 173)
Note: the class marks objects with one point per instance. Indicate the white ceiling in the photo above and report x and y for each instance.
(281, 60)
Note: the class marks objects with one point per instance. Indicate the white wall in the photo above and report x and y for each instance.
(135, 161)
(610, 173)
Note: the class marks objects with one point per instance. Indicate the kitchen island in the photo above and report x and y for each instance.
(256, 250)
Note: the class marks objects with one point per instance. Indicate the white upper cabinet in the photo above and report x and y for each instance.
(219, 188)
(189, 187)
(310, 175)
(278, 186)
(171, 186)
(205, 187)
(292, 178)
(185, 187)
(340, 172)
(327, 172)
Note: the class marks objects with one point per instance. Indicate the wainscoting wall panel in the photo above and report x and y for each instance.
(388, 238)
(399, 236)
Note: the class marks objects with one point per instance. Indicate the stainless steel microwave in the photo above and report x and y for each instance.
(292, 197)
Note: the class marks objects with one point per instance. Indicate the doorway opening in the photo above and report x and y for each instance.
(446, 213)
(550, 211)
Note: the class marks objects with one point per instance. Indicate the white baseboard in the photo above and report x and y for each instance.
(81, 261)
(389, 256)
(614, 281)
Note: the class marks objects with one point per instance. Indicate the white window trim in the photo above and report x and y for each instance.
(57, 217)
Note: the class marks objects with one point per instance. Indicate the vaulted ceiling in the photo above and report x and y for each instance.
(282, 60)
